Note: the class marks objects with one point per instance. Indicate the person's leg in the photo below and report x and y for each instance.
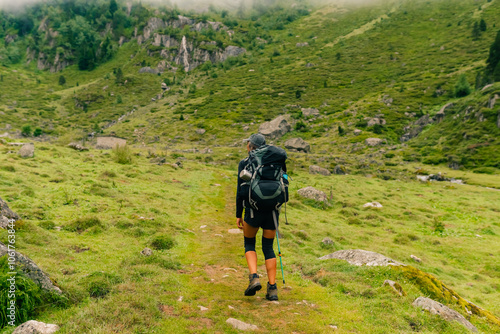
(249, 232)
(267, 248)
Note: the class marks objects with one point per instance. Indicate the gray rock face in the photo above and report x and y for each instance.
(373, 141)
(493, 100)
(148, 70)
(441, 113)
(275, 128)
(27, 151)
(313, 169)
(6, 214)
(313, 193)
(242, 326)
(31, 270)
(298, 145)
(443, 311)
(327, 241)
(339, 170)
(357, 132)
(310, 112)
(374, 121)
(147, 251)
(414, 129)
(35, 327)
(201, 131)
(359, 257)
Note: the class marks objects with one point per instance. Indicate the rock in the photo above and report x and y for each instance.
(359, 257)
(77, 147)
(35, 327)
(443, 311)
(109, 142)
(31, 270)
(313, 169)
(164, 86)
(373, 141)
(310, 65)
(310, 112)
(200, 131)
(396, 287)
(27, 151)
(414, 129)
(298, 145)
(375, 121)
(313, 193)
(235, 231)
(327, 242)
(207, 150)
(493, 100)
(387, 100)
(276, 128)
(6, 214)
(158, 160)
(202, 308)
(441, 113)
(416, 258)
(339, 170)
(423, 178)
(299, 45)
(242, 326)
(149, 70)
(147, 252)
(357, 132)
(373, 205)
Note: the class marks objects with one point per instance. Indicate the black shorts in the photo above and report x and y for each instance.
(261, 219)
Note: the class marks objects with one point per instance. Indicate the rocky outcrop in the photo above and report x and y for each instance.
(300, 45)
(443, 311)
(27, 151)
(313, 193)
(148, 69)
(276, 128)
(359, 257)
(339, 170)
(373, 141)
(298, 145)
(313, 169)
(6, 214)
(310, 112)
(78, 147)
(374, 121)
(30, 269)
(35, 327)
(414, 129)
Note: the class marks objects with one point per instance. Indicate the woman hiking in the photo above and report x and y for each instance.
(255, 219)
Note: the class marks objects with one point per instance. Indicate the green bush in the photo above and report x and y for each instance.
(163, 241)
(48, 225)
(99, 284)
(26, 130)
(83, 224)
(462, 87)
(122, 154)
(38, 132)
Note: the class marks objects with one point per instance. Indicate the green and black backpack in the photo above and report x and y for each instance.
(268, 187)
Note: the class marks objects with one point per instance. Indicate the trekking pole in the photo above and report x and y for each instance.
(279, 250)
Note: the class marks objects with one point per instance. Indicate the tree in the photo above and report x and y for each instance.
(476, 33)
(119, 75)
(482, 25)
(62, 80)
(462, 87)
(341, 131)
(113, 7)
(494, 56)
(298, 94)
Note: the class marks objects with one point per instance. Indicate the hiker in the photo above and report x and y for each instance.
(263, 218)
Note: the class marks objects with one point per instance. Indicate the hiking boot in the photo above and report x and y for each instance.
(253, 286)
(272, 291)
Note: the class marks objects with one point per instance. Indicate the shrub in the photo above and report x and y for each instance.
(26, 131)
(99, 284)
(38, 132)
(462, 87)
(163, 241)
(83, 224)
(301, 126)
(122, 154)
(48, 225)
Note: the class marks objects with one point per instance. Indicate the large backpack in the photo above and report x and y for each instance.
(268, 189)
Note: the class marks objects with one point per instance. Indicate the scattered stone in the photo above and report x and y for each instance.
(313, 169)
(77, 147)
(339, 170)
(313, 193)
(219, 235)
(27, 151)
(387, 100)
(327, 241)
(493, 100)
(310, 112)
(276, 128)
(375, 121)
(416, 258)
(359, 257)
(147, 252)
(6, 214)
(443, 311)
(230, 307)
(243, 326)
(31, 270)
(203, 226)
(35, 327)
(234, 231)
(202, 308)
(201, 131)
(310, 65)
(149, 70)
(299, 45)
(357, 132)
(333, 327)
(206, 151)
(376, 205)
(298, 145)
(396, 287)
(373, 141)
(180, 298)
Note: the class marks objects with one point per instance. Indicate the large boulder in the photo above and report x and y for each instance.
(298, 145)
(276, 128)
(27, 151)
(6, 214)
(30, 269)
(373, 141)
(375, 121)
(443, 311)
(313, 193)
(35, 327)
(359, 257)
(313, 169)
(339, 170)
